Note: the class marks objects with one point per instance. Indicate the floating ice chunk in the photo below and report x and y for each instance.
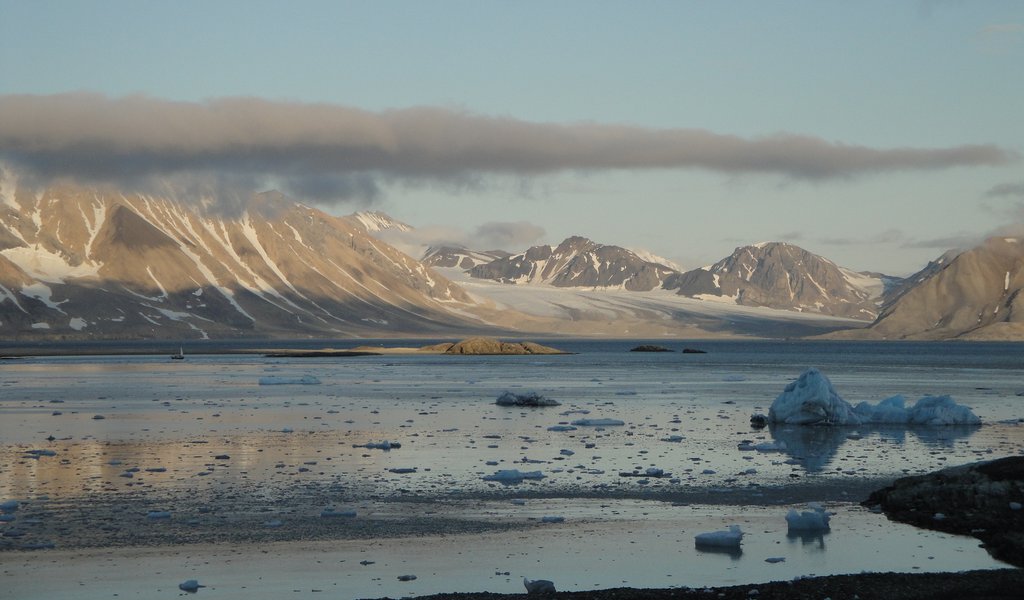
(191, 585)
(552, 519)
(273, 523)
(513, 475)
(407, 578)
(775, 559)
(673, 438)
(539, 586)
(329, 513)
(730, 538)
(811, 400)
(158, 514)
(929, 410)
(1015, 506)
(289, 380)
(815, 519)
(776, 446)
(402, 470)
(598, 423)
(561, 428)
(9, 505)
(38, 453)
(528, 399)
(6, 518)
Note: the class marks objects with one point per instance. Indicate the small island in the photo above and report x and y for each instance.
(650, 348)
(478, 346)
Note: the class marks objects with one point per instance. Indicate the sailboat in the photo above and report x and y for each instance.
(180, 355)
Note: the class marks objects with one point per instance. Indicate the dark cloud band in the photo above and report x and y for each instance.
(330, 149)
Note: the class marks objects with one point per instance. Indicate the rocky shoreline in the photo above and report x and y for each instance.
(976, 585)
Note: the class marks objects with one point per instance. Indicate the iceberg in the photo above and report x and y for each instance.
(930, 410)
(815, 519)
(730, 538)
(812, 400)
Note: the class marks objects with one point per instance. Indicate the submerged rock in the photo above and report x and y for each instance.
(974, 499)
(531, 399)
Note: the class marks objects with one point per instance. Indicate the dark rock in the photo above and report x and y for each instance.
(694, 351)
(974, 499)
(650, 348)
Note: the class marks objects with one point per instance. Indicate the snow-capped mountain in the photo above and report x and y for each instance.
(375, 221)
(576, 262)
(79, 262)
(974, 295)
(450, 257)
(784, 276)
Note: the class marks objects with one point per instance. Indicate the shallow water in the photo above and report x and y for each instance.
(291, 448)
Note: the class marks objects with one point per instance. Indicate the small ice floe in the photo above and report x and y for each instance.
(675, 439)
(156, 470)
(274, 523)
(513, 475)
(289, 380)
(98, 417)
(653, 472)
(385, 445)
(539, 586)
(815, 519)
(155, 515)
(552, 519)
(407, 578)
(598, 423)
(287, 430)
(812, 400)
(330, 513)
(561, 428)
(775, 559)
(6, 518)
(729, 538)
(1015, 506)
(531, 399)
(778, 446)
(402, 470)
(9, 505)
(939, 516)
(566, 452)
(38, 453)
(190, 585)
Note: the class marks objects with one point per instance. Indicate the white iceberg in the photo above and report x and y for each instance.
(289, 380)
(811, 400)
(815, 519)
(930, 410)
(729, 538)
(513, 475)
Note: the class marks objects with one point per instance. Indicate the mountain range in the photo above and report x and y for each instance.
(81, 262)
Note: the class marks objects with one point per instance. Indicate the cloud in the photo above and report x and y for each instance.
(888, 236)
(958, 241)
(494, 235)
(1013, 190)
(326, 152)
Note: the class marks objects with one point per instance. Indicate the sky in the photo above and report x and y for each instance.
(878, 134)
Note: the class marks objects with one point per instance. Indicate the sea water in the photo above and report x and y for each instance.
(295, 449)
